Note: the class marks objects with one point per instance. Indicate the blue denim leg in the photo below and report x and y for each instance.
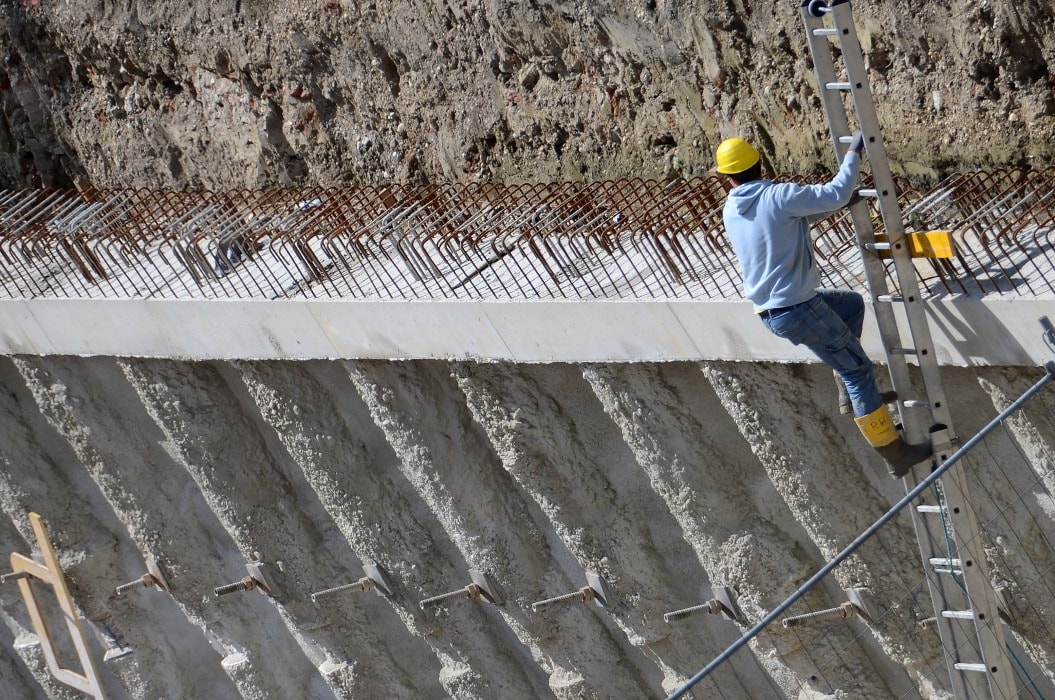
(818, 325)
(847, 305)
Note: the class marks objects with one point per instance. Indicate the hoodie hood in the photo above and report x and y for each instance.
(745, 196)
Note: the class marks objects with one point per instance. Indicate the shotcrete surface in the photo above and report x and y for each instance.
(668, 479)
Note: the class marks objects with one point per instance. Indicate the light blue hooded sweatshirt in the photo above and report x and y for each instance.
(769, 226)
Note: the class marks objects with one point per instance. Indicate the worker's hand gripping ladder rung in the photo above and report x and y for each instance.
(978, 633)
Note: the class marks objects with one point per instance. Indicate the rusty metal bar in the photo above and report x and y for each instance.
(609, 239)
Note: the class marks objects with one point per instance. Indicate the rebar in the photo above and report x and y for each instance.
(247, 583)
(711, 607)
(363, 584)
(610, 239)
(469, 592)
(844, 610)
(144, 581)
(583, 595)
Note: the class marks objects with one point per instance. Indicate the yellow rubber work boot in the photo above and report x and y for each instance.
(878, 428)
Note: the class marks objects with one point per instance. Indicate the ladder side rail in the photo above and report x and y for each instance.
(874, 268)
(951, 634)
(976, 579)
(890, 210)
(945, 595)
(977, 582)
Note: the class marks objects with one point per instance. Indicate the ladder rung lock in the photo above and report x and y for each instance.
(958, 614)
(837, 86)
(980, 668)
(927, 244)
(930, 509)
(825, 31)
(944, 561)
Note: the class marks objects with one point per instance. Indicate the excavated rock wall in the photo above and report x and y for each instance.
(229, 94)
(667, 479)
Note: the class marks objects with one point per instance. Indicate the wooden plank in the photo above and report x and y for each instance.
(50, 572)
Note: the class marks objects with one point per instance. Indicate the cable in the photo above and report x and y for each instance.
(1022, 670)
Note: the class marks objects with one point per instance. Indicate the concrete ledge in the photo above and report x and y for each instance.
(967, 332)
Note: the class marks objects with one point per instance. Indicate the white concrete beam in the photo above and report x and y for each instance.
(967, 332)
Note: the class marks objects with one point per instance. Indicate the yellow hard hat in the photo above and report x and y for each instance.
(735, 156)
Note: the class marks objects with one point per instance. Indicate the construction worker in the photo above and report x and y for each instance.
(768, 225)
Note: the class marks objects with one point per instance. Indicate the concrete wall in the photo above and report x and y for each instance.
(673, 447)
(667, 478)
(966, 332)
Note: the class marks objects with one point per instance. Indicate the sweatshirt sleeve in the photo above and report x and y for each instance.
(814, 200)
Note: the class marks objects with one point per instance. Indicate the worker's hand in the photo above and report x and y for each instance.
(857, 142)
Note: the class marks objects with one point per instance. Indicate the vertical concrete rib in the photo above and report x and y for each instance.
(1015, 507)
(555, 440)
(682, 438)
(91, 404)
(827, 476)
(270, 519)
(448, 458)
(327, 430)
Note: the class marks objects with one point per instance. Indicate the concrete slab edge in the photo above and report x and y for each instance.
(966, 332)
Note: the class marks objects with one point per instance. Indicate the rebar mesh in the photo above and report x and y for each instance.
(610, 239)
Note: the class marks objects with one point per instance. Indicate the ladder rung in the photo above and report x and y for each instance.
(930, 509)
(951, 572)
(958, 614)
(944, 561)
(825, 31)
(868, 192)
(915, 403)
(877, 246)
(837, 86)
(890, 298)
(902, 351)
(980, 668)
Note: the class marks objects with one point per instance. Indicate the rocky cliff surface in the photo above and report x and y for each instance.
(250, 94)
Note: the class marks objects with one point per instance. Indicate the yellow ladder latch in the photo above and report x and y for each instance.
(924, 244)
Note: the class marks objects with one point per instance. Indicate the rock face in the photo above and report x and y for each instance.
(250, 94)
(669, 480)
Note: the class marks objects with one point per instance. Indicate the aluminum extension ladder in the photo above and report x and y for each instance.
(965, 603)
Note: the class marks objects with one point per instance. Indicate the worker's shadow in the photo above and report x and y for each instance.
(970, 328)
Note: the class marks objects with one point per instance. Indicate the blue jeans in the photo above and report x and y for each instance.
(830, 324)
